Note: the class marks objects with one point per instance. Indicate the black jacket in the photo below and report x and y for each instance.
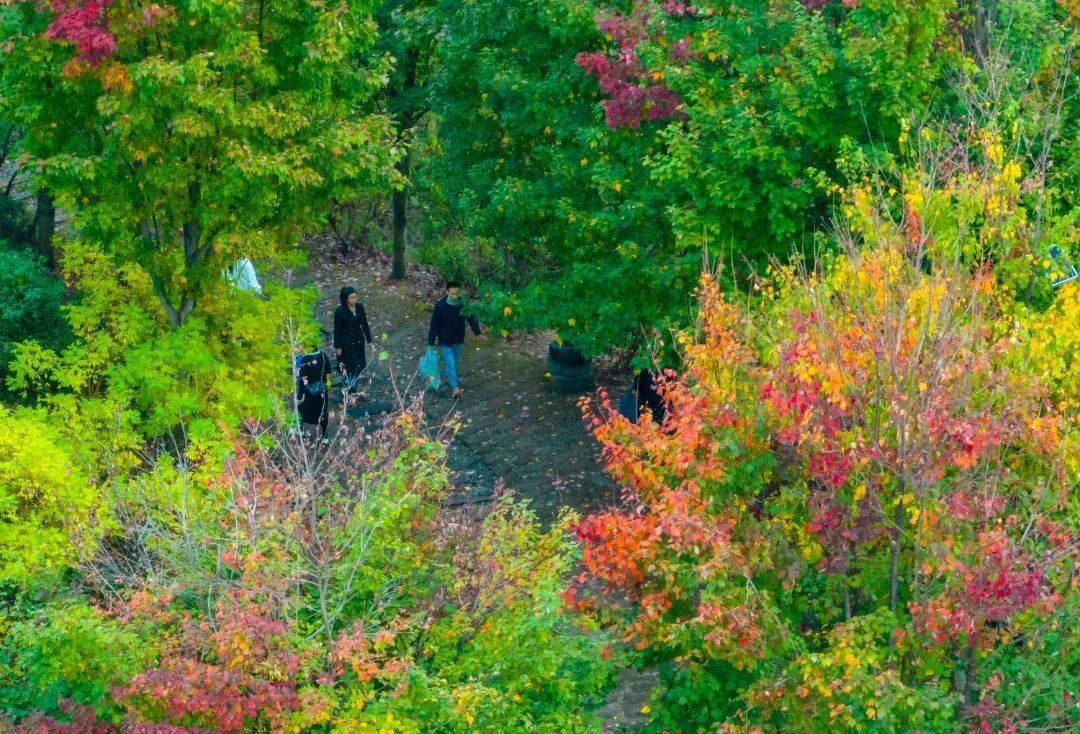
(351, 330)
(448, 325)
(311, 398)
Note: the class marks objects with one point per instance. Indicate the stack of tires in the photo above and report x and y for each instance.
(571, 373)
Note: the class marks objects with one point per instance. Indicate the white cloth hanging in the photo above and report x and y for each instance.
(242, 275)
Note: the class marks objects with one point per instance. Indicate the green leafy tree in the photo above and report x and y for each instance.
(205, 133)
(49, 117)
(719, 133)
(530, 170)
(407, 34)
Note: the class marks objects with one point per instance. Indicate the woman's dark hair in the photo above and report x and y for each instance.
(452, 284)
(345, 293)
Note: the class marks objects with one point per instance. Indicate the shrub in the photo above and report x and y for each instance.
(288, 589)
(30, 305)
(49, 511)
(67, 654)
(459, 258)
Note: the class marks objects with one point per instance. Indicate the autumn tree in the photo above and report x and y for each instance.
(200, 134)
(860, 489)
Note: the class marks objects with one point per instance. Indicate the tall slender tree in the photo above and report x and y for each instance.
(407, 33)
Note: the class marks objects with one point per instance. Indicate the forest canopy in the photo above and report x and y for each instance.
(837, 238)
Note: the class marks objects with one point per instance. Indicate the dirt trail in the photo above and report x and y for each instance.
(513, 427)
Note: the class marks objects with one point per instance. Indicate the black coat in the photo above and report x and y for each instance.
(351, 331)
(312, 401)
(448, 325)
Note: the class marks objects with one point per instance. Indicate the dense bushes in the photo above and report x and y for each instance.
(30, 301)
(282, 593)
(48, 508)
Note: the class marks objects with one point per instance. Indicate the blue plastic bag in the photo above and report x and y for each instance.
(429, 368)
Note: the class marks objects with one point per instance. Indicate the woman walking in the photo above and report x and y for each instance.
(351, 335)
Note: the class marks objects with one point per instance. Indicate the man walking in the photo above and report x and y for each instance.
(448, 330)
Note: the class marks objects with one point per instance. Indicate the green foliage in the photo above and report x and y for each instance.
(603, 230)
(529, 166)
(48, 509)
(67, 652)
(14, 221)
(129, 376)
(459, 258)
(209, 133)
(30, 301)
(1040, 671)
(268, 594)
(505, 655)
(690, 697)
(873, 697)
(833, 531)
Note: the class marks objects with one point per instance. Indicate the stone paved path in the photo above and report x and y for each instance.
(622, 712)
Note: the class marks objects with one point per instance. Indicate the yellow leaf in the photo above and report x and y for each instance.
(860, 492)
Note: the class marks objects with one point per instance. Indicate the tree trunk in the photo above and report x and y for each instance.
(894, 559)
(44, 226)
(194, 252)
(963, 682)
(400, 207)
(407, 117)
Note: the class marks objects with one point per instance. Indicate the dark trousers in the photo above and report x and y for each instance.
(315, 409)
(352, 362)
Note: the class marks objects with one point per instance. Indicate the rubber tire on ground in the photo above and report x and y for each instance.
(570, 380)
(566, 355)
